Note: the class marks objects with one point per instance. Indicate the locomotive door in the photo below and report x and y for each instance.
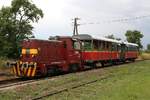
(123, 50)
(77, 50)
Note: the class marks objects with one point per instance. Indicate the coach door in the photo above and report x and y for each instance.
(123, 50)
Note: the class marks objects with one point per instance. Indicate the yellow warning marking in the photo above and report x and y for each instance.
(29, 71)
(33, 72)
(14, 70)
(20, 62)
(18, 69)
(25, 71)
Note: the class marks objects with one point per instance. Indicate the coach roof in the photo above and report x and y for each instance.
(130, 44)
(89, 37)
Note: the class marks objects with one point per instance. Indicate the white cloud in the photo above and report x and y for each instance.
(5, 3)
(58, 15)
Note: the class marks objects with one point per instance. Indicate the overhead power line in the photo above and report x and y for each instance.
(76, 24)
(118, 20)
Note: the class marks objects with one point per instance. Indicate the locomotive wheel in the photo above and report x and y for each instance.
(133, 60)
(114, 62)
(44, 71)
(53, 71)
(74, 67)
(102, 63)
(94, 65)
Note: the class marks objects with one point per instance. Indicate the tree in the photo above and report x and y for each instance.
(112, 37)
(134, 37)
(148, 47)
(16, 25)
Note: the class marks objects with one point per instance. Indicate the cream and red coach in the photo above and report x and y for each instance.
(64, 53)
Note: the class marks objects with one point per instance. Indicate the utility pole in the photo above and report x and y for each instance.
(75, 29)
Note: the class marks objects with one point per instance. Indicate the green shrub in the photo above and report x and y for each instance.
(145, 56)
(147, 51)
(3, 62)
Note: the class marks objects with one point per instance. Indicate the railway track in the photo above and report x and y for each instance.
(6, 84)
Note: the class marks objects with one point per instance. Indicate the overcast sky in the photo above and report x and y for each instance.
(58, 15)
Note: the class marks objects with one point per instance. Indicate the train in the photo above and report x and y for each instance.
(70, 54)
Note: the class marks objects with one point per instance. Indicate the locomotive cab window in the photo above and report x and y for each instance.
(76, 45)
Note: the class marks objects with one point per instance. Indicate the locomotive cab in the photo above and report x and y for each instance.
(42, 57)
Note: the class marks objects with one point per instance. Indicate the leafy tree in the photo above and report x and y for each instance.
(148, 47)
(112, 37)
(134, 37)
(16, 25)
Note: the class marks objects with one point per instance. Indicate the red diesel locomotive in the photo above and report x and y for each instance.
(69, 54)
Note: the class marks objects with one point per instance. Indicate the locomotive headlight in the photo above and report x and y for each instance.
(76, 52)
(32, 56)
(20, 62)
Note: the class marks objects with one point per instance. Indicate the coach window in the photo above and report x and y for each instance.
(103, 45)
(135, 48)
(118, 47)
(100, 45)
(95, 45)
(128, 48)
(114, 47)
(87, 45)
(109, 46)
(106, 46)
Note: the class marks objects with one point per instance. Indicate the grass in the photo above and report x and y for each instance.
(129, 82)
(123, 82)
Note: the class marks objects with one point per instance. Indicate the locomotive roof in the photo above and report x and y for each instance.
(83, 37)
(44, 40)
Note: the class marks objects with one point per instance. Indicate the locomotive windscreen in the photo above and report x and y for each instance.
(29, 51)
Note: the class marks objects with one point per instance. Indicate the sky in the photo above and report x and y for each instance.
(58, 15)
